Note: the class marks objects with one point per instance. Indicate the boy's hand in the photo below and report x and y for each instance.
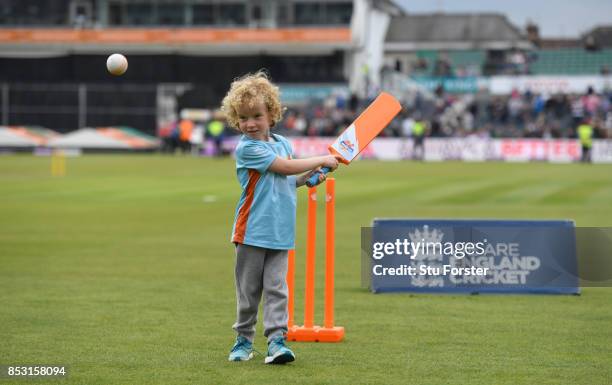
(306, 176)
(328, 164)
(330, 161)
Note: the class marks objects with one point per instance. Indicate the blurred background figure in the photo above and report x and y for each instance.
(419, 130)
(185, 131)
(215, 130)
(197, 138)
(585, 134)
(167, 135)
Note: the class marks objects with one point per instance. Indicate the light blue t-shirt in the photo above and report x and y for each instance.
(265, 215)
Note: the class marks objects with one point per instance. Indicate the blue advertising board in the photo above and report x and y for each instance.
(304, 93)
(473, 256)
(459, 85)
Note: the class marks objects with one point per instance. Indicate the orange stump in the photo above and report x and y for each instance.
(310, 332)
(328, 320)
(310, 258)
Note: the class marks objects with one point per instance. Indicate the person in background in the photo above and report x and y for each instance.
(185, 130)
(214, 130)
(165, 134)
(585, 134)
(197, 139)
(175, 138)
(419, 129)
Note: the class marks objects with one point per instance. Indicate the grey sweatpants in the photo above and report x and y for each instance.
(261, 270)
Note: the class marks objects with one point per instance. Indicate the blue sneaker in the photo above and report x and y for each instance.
(242, 350)
(278, 352)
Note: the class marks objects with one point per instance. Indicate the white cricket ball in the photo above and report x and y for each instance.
(116, 64)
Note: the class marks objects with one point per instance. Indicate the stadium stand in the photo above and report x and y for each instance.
(468, 61)
(570, 61)
(183, 56)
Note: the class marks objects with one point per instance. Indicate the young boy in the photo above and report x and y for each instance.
(264, 225)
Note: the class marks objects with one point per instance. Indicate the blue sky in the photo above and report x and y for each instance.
(564, 18)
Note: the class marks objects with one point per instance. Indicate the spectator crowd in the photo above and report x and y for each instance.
(527, 114)
(518, 115)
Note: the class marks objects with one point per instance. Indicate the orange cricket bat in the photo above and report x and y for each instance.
(361, 132)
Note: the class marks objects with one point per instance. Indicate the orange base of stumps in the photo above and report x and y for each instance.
(315, 334)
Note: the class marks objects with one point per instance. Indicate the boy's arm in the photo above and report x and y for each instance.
(297, 166)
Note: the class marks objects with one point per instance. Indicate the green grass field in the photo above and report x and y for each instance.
(123, 271)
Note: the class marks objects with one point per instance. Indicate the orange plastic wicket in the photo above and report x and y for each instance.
(310, 332)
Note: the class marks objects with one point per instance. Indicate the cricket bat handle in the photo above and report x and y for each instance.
(314, 178)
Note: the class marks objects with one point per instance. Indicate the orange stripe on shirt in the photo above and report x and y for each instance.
(243, 213)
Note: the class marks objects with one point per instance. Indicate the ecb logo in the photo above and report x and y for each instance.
(347, 145)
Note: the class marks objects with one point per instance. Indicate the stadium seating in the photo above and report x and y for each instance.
(570, 61)
(567, 61)
(459, 59)
(467, 58)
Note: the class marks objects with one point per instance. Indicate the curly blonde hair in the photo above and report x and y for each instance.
(251, 89)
